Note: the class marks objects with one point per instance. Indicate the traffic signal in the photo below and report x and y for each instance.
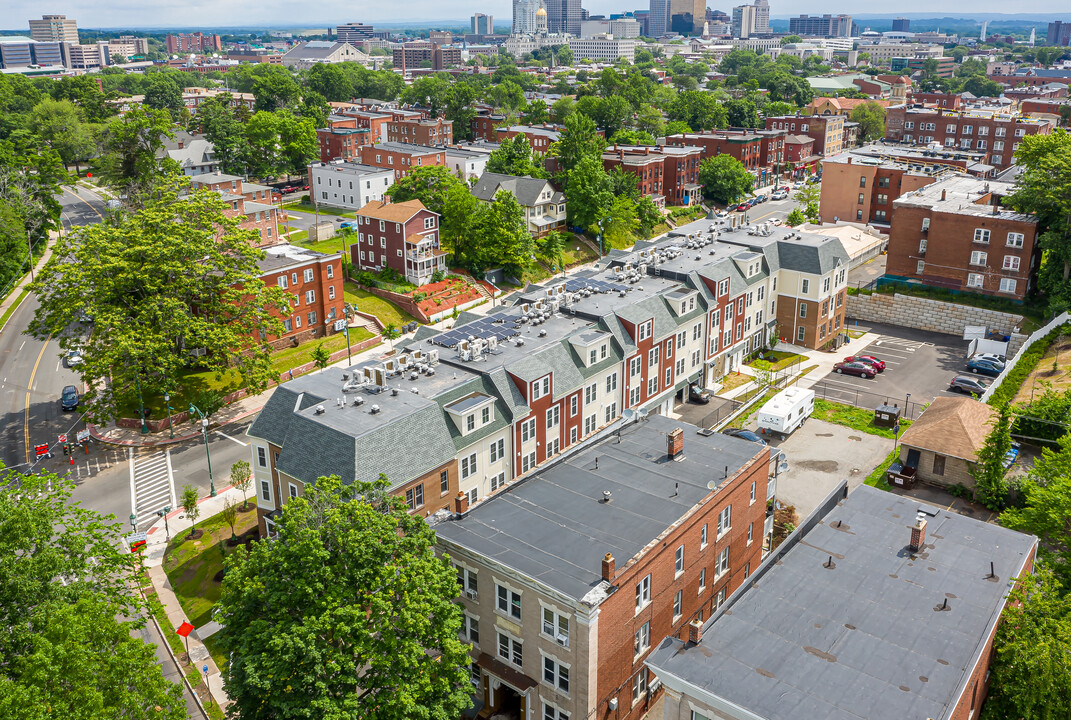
(66, 450)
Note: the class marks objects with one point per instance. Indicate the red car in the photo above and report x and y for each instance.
(855, 368)
(304, 187)
(742, 207)
(879, 365)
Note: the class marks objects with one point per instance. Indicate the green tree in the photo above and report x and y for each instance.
(229, 513)
(588, 192)
(330, 81)
(1046, 508)
(677, 127)
(578, 140)
(808, 194)
(1031, 675)
(189, 500)
(60, 124)
(620, 222)
(30, 178)
(278, 143)
(391, 333)
(507, 95)
(700, 110)
(314, 108)
(64, 586)
(536, 113)
(164, 93)
(501, 235)
(742, 113)
(627, 136)
(649, 120)
(778, 108)
(648, 216)
(273, 87)
(241, 479)
(796, 217)
(177, 275)
(789, 39)
(86, 93)
(871, 118)
(460, 212)
(429, 185)
(562, 109)
(724, 179)
(430, 91)
(514, 156)
(131, 147)
(321, 356)
(368, 628)
(1042, 189)
(459, 108)
(988, 472)
(226, 133)
(811, 212)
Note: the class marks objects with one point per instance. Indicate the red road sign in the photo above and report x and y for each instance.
(184, 629)
(63, 437)
(40, 451)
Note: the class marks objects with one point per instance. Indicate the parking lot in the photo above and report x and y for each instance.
(916, 362)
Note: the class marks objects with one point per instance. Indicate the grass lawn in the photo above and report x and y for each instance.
(329, 246)
(740, 421)
(779, 360)
(304, 206)
(13, 308)
(192, 564)
(297, 237)
(537, 273)
(387, 312)
(878, 478)
(191, 384)
(856, 418)
(733, 381)
(283, 360)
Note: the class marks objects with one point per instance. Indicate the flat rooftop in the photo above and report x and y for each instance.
(277, 257)
(351, 168)
(555, 526)
(960, 194)
(869, 636)
(917, 160)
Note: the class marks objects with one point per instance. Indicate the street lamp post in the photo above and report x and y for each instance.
(170, 425)
(208, 453)
(141, 405)
(163, 513)
(134, 522)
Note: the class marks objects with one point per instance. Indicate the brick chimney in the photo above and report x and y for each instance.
(181, 144)
(918, 533)
(943, 193)
(675, 443)
(609, 566)
(695, 631)
(461, 502)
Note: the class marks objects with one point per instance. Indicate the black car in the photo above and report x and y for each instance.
(966, 384)
(69, 398)
(743, 435)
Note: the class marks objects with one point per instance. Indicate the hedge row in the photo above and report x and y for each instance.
(1027, 362)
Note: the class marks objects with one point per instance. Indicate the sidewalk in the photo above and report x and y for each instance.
(15, 296)
(153, 559)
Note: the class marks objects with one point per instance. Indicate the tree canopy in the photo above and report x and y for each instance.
(65, 581)
(347, 613)
(724, 179)
(514, 156)
(161, 282)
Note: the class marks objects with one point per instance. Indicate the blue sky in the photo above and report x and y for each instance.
(187, 13)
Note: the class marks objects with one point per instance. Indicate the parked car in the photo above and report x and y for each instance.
(698, 395)
(879, 365)
(779, 195)
(786, 188)
(742, 207)
(984, 366)
(347, 225)
(855, 368)
(966, 384)
(722, 214)
(758, 199)
(1011, 456)
(74, 357)
(743, 435)
(69, 398)
(991, 356)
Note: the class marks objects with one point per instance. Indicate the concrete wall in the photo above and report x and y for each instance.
(925, 314)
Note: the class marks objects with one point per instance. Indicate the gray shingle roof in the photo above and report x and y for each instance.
(863, 638)
(818, 258)
(526, 189)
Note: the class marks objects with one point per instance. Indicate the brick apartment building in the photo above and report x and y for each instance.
(562, 608)
(977, 245)
(540, 137)
(485, 123)
(868, 575)
(762, 152)
(402, 236)
(947, 101)
(668, 174)
(826, 130)
(254, 203)
(421, 131)
(197, 43)
(413, 54)
(994, 133)
(400, 157)
(341, 138)
(800, 154)
(862, 185)
(497, 397)
(314, 282)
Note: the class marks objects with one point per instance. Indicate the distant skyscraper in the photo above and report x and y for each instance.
(762, 17)
(354, 32)
(901, 25)
(563, 16)
(1033, 37)
(744, 21)
(687, 16)
(829, 26)
(54, 28)
(483, 24)
(985, 26)
(524, 16)
(658, 20)
(1059, 34)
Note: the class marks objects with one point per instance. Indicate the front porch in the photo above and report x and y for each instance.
(506, 692)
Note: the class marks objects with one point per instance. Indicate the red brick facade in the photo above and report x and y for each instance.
(314, 282)
(400, 159)
(672, 170)
(998, 135)
(827, 130)
(421, 131)
(402, 236)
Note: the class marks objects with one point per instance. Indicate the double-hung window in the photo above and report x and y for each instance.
(643, 593)
(509, 601)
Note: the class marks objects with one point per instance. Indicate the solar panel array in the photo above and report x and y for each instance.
(487, 327)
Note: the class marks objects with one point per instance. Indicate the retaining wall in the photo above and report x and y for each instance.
(925, 314)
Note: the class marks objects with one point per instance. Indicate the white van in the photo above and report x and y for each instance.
(786, 411)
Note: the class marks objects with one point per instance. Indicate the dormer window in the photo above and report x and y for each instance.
(644, 330)
(541, 387)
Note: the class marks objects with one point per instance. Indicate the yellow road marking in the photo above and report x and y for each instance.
(26, 411)
(81, 199)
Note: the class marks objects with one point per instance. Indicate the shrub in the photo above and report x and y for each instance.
(1024, 365)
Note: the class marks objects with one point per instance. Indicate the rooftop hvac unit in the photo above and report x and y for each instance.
(374, 409)
(358, 401)
(525, 308)
(554, 305)
(463, 346)
(433, 356)
(403, 361)
(380, 378)
(320, 410)
(353, 383)
(418, 356)
(391, 366)
(466, 355)
(492, 343)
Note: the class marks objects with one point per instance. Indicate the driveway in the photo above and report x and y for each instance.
(820, 455)
(917, 362)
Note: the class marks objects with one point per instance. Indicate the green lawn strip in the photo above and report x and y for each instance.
(297, 237)
(879, 477)
(192, 673)
(13, 308)
(192, 564)
(218, 656)
(324, 210)
(860, 419)
(742, 419)
(779, 360)
(287, 358)
(387, 312)
(328, 247)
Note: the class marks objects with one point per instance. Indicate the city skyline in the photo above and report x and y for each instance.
(243, 13)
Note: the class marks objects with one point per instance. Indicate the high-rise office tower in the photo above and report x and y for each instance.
(563, 16)
(482, 24)
(54, 28)
(687, 16)
(658, 20)
(355, 32)
(762, 17)
(901, 25)
(524, 17)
